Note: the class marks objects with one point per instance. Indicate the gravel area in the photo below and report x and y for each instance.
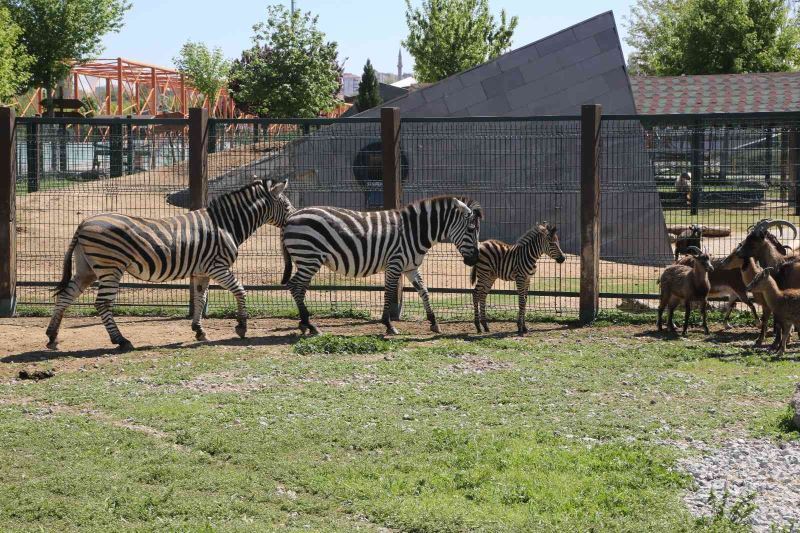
(770, 470)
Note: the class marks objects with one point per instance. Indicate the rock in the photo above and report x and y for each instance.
(795, 403)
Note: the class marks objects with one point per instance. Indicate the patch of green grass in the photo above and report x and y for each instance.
(562, 430)
(338, 344)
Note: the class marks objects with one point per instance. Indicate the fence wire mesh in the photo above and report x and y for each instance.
(522, 171)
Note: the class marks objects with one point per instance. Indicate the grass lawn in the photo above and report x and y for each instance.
(565, 430)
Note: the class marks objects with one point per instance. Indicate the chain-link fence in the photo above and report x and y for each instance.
(522, 170)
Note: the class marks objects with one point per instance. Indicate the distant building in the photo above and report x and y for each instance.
(400, 64)
(350, 84)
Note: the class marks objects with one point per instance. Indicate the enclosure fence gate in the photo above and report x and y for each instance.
(600, 179)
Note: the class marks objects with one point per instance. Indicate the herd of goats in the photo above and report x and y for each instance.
(203, 245)
(760, 265)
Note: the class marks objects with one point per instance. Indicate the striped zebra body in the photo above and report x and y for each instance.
(360, 244)
(511, 262)
(201, 244)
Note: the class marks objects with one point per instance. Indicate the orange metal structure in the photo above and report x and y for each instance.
(125, 87)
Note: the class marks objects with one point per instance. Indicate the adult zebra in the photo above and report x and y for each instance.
(359, 244)
(512, 262)
(202, 244)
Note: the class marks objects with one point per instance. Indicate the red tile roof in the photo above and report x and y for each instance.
(717, 93)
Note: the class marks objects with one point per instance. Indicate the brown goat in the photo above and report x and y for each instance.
(685, 284)
(785, 304)
(726, 281)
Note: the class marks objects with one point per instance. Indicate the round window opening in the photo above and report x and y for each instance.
(368, 164)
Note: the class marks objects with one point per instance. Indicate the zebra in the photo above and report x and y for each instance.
(200, 244)
(359, 244)
(512, 262)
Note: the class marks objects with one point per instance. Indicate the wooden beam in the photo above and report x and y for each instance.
(75, 87)
(8, 213)
(184, 107)
(590, 212)
(120, 93)
(392, 180)
(154, 93)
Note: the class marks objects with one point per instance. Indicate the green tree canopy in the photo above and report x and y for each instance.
(291, 70)
(674, 37)
(446, 37)
(56, 32)
(368, 92)
(14, 60)
(208, 69)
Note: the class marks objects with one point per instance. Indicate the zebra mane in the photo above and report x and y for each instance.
(214, 203)
(539, 230)
(472, 204)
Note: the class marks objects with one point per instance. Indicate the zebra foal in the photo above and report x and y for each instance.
(359, 244)
(200, 244)
(511, 262)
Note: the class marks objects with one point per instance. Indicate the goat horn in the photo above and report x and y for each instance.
(781, 223)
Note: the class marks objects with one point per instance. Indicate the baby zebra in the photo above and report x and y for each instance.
(512, 262)
(202, 244)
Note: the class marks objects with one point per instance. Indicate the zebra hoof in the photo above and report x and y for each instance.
(53, 344)
(391, 330)
(435, 328)
(478, 327)
(485, 326)
(241, 331)
(201, 336)
(125, 345)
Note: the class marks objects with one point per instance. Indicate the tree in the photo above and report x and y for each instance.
(675, 37)
(208, 69)
(14, 60)
(446, 37)
(56, 32)
(368, 92)
(291, 71)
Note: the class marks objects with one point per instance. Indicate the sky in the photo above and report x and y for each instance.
(155, 29)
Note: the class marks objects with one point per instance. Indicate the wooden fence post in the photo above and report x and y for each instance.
(8, 213)
(590, 212)
(392, 184)
(198, 167)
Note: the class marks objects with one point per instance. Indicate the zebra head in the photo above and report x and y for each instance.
(278, 206)
(553, 245)
(465, 229)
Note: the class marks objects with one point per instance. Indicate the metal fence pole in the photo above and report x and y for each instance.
(698, 145)
(8, 213)
(198, 167)
(115, 150)
(590, 212)
(392, 178)
(34, 156)
(794, 168)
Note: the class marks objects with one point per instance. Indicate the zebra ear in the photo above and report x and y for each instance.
(462, 207)
(279, 187)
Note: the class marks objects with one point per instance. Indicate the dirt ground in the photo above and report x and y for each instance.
(84, 340)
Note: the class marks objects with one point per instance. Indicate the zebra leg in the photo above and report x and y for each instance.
(485, 289)
(298, 285)
(390, 293)
(106, 295)
(228, 281)
(522, 292)
(416, 280)
(476, 297)
(77, 285)
(200, 289)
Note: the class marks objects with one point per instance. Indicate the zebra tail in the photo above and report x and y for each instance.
(287, 265)
(473, 275)
(66, 274)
